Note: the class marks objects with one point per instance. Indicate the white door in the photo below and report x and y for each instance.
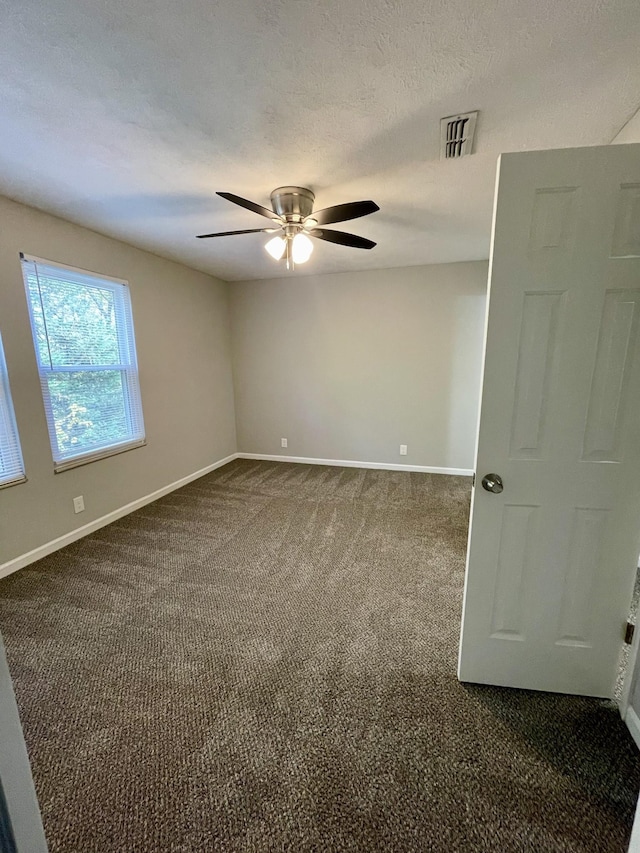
(551, 559)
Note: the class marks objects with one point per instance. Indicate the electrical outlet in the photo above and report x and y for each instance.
(403, 450)
(78, 504)
(284, 442)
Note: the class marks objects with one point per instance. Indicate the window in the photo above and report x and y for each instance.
(11, 467)
(83, 336)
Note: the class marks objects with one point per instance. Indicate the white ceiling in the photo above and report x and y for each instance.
(128, 115)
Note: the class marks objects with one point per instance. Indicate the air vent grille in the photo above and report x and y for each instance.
(456, 135)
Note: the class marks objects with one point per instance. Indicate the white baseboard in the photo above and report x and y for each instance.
(79, 532)
(348, 463)
(633, 722)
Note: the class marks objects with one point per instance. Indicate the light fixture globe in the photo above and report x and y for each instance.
(276, 247)
(301, 248)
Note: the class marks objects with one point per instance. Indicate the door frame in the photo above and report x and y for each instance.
(21, 810)
(627, 713)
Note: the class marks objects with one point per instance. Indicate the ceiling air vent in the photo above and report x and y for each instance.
(456, 135)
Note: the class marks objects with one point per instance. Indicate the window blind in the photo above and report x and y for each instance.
(11, 465)
(85, 348)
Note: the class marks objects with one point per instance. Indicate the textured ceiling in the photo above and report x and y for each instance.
(127, 115)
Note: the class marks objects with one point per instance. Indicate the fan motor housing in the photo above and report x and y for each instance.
(292, 203)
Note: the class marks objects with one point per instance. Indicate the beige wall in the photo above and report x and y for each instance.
(182, 333)
(350, 366)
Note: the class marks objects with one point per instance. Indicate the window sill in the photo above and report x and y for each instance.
(104, 453)
(15, 482)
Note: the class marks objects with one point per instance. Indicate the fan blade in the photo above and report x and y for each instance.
(341, 238)
(250, 205)
(231, 233)
(343, 212)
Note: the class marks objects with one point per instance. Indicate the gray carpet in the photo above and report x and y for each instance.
(265, 661)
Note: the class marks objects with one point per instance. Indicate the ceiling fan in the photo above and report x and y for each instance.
(293, 215)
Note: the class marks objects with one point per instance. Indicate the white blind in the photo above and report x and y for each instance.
(11, 465)
(85, 346)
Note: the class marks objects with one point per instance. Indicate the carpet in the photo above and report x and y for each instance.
(265, 660)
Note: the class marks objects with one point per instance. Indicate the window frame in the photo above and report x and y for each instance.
(127, 367)
(8, 422)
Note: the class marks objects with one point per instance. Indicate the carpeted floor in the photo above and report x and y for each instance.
(265, 661)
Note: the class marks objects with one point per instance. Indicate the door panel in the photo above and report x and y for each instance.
(551, 560)
(626, 235)
(583, 563)
(537, 355)
(609, 400)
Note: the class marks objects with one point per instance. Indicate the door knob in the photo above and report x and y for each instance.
(493, 483)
